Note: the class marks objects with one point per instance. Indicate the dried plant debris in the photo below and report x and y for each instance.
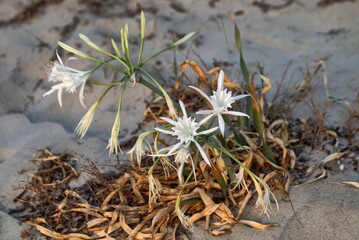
(318, 146)
(130, 204)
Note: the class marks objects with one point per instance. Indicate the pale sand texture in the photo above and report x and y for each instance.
(301, 33)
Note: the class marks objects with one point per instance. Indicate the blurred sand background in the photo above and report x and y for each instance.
(281, 39)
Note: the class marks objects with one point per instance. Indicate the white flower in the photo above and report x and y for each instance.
(181, 158)
(221, 101)
(185, 129)
(86, 120)
(113, 141)
(70, 79)
(138, 148)
(240, 180)
(263, 200)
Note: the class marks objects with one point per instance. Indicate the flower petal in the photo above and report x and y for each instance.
(175, 147)
(49, 92)
(235, 98)
(203, 154)
(163, 131)
(220, 81)
(202, 93)
(81, 94)
(205, 112)
(169, 120)
(204, 120)
(221, 124)
(59, 58)
(234, 113)
(207, 131)
(59, 98)
(183, 109)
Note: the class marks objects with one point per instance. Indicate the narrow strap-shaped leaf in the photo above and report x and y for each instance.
(86, 56)
(173, 45)
(115, 47)
(93, 45)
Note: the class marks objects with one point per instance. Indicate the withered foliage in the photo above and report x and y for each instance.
(123, 206)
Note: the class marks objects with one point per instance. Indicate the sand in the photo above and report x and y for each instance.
(300, 34)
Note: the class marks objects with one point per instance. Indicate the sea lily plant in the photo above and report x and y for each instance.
(201, 142)
(120, 60)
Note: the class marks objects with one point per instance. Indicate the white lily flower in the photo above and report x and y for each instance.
(113, 141)
(221, 101)
(139, 149)
(263, 200)
(185, 129)
(181, 158)
(86, 120)
(239, 179)
(70, 79)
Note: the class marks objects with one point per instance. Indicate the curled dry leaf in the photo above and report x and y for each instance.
(354, 184)
(257, 225)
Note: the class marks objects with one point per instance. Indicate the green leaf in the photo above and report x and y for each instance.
(84, 55)
(218, 176)
(245, 73)
(244, 69)
(97, 48)
(75, 51)
(115, 47)
(268, 152)
(123, 42)
(173, 45)
(182, 40)
(237, 36)
(93, 45)
(127, 46)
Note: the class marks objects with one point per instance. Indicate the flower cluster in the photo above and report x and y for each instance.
(186, 128)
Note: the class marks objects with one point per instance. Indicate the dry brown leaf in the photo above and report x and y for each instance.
(57, 235)
(206, 212)
(321, 176)
(333, 156)
(96, 221)
(257, 225)
(161, 214)
(250, 142)
(354, 184)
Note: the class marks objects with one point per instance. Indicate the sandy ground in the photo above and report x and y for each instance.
(301, 33)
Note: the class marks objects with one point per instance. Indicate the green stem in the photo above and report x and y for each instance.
(104, 84)
(153, 88)
(153, 166)
(104, 93)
